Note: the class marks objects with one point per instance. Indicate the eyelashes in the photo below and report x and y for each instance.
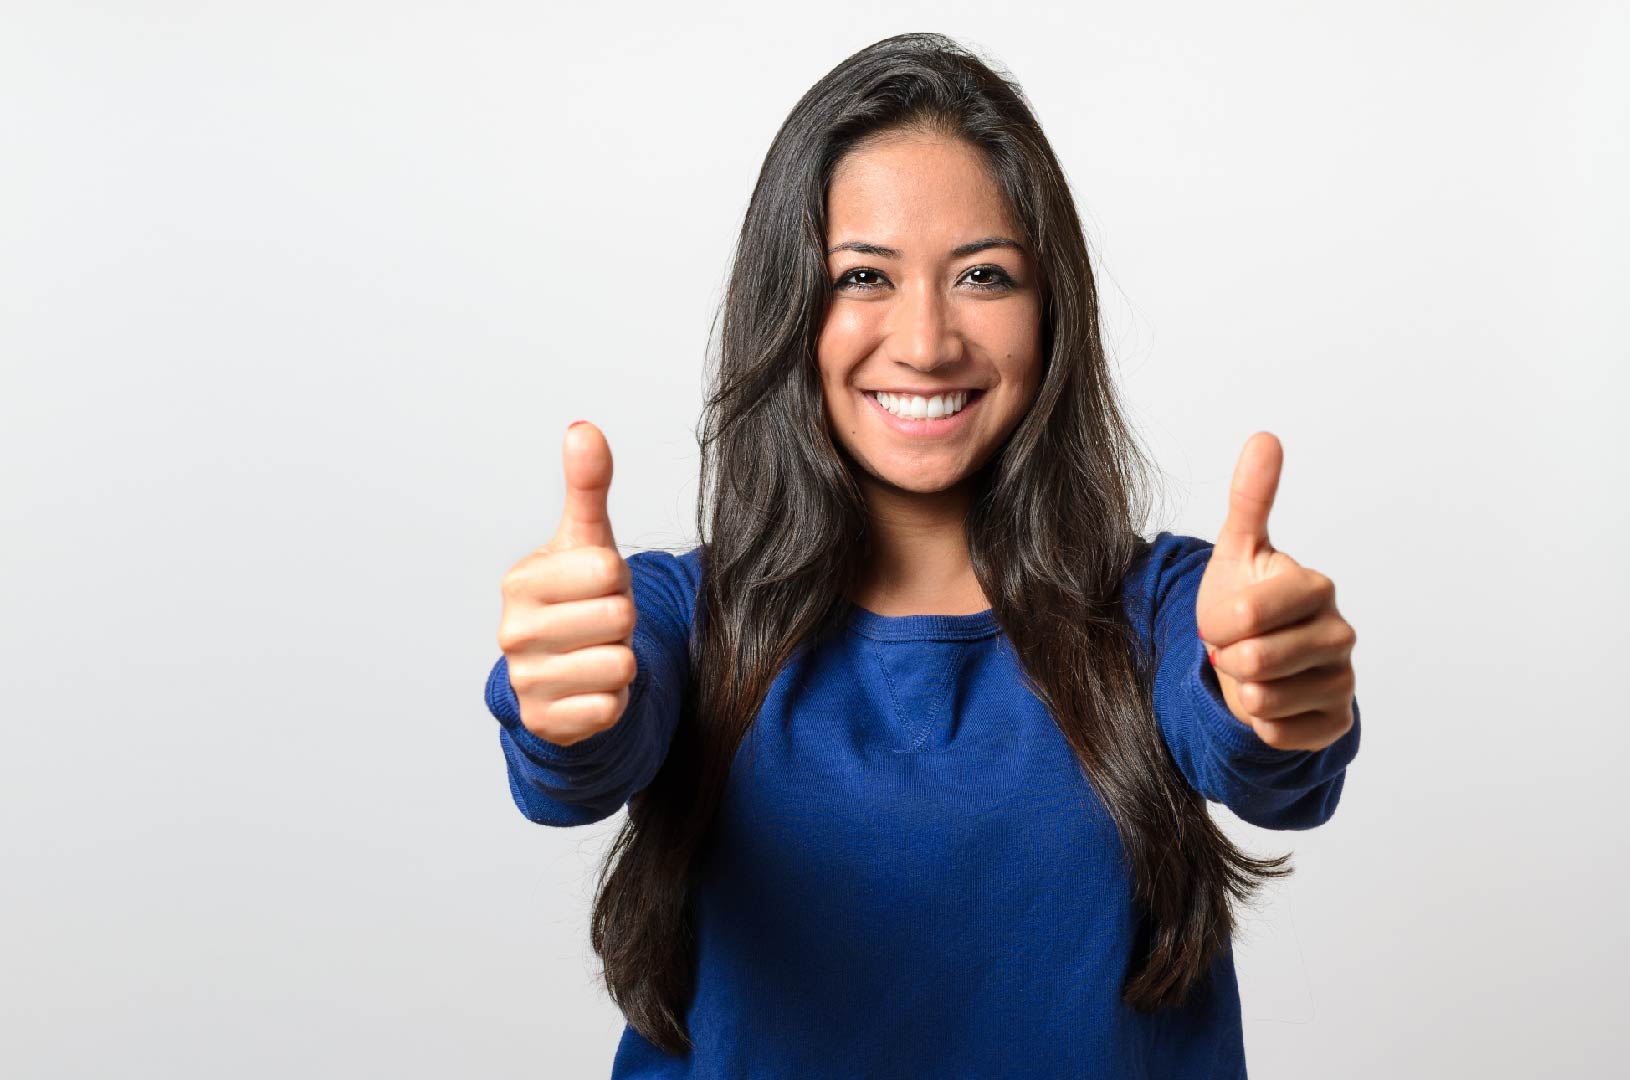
(1003, 280)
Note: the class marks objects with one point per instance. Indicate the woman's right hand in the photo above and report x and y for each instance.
(567, 626)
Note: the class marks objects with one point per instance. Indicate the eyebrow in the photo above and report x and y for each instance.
(866, 248)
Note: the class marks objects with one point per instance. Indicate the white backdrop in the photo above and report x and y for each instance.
(297, 300)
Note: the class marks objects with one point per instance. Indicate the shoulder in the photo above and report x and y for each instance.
(1171, 561)
(668, 581)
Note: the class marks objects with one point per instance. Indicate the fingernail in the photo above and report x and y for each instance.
(1212, 655)
(574, 423)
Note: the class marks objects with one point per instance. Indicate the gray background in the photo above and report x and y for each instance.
(296, 301)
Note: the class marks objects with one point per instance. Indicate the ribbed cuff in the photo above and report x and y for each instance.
(506, 708)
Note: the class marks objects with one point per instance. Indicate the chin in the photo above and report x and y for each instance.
(903, 476)
(918, 483)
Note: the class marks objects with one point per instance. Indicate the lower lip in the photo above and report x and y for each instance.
(927, 427)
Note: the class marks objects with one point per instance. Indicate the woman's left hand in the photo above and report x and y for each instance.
(1281, 650)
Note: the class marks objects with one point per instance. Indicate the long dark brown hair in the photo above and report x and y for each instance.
(1051, 533)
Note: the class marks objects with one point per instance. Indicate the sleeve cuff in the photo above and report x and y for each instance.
(506, 708)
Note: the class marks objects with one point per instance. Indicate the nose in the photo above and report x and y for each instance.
(921, 334)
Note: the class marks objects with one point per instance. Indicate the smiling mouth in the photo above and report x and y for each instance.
(917, 408)
(929, 428)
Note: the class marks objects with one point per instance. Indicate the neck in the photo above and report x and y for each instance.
(919, 553)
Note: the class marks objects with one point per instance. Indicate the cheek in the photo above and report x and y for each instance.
(1013, 338)
(851, 326)
(833, 397)
(838, 351)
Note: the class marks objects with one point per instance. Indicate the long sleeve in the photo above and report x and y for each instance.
(593, 778)
(1222, 757)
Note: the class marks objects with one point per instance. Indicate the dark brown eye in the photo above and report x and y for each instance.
(1000, 278)
(849, 280)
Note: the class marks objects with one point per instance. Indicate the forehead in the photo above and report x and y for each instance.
(932, 189)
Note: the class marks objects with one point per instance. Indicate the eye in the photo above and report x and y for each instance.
(847, 280)
(1001, 279)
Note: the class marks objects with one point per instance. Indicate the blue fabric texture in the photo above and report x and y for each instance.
(911, 875)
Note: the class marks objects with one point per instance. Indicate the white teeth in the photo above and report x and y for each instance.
(913, 407)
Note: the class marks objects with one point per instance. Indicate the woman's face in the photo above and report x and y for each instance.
(934, 310)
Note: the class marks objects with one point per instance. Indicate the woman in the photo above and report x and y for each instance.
(916, 745)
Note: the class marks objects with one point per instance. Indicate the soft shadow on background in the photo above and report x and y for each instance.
(296, 301)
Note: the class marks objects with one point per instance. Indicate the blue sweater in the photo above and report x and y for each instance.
(912, 876)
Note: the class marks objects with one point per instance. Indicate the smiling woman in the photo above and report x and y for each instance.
(916, 745)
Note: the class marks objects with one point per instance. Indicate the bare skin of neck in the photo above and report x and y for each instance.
(920, 563)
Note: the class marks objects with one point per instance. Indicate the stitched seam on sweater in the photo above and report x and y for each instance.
(888, 680)
(941, 686)
(915, 739)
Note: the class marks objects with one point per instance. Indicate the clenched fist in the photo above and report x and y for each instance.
(568, 619)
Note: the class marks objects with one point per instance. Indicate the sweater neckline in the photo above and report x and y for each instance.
(868, 623)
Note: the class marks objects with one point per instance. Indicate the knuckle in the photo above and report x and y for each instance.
(511, 591)
(516, 636)
(527, 683)
(1245, 612)
(523, 589)
(1253, 657)
(536, 720)
(607, 708)
(622, 614)
(521, 580)
(608, 568)
(627, 666)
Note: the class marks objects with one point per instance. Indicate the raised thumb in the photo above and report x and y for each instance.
(1250, 497)
(587, 459)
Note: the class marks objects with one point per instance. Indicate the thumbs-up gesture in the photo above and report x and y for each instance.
(568, 619)
(1281, 650)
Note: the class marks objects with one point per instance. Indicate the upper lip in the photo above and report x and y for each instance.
(927, 392)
